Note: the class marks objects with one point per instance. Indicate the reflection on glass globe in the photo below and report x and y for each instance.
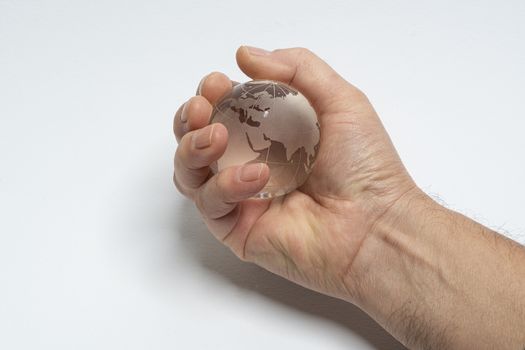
(272, 123)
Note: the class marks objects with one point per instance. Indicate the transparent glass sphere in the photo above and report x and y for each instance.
(272, 123)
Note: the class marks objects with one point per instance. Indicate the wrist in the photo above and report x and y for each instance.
(392, 238)
(400, 263)
(422, 273)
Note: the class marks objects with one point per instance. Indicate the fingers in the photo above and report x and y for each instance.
(200, 144)
(192, 115)
(302, 69)
(218, 198)
(196, 151)
(214, 86)
(196, 112)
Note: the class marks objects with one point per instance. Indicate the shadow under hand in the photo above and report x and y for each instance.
(207, 251)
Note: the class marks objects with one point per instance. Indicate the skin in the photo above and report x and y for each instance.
(359, 229)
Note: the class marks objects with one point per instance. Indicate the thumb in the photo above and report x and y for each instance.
(326, 90)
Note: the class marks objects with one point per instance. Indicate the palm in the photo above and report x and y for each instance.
(295, 235)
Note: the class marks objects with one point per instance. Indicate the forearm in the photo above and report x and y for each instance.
(436, 279)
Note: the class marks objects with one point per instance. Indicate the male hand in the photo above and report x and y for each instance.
(312, 235)
(359, 228)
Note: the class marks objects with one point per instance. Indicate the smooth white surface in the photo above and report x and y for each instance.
(97, 250)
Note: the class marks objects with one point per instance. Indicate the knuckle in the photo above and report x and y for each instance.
(297, 51)
(192, 158)
(359, 96)
(208, 202)
(185, 192)
(183, 144)
(299, 54)
(349, 97)
(195, 159)
(303, 50)
(184, 155)
(302, 53)
(359, 93)
(185, 141)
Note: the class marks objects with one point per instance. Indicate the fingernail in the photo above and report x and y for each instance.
(183, 116)
(257, 51)
(202, 138)
(250, 172)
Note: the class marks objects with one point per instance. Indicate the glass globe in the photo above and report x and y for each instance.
(272, 123)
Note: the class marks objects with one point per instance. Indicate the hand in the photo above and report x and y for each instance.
(359, 228)
(312, 235)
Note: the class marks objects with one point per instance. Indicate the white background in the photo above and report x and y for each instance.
(98, 251)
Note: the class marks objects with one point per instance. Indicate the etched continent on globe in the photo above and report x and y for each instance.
(272, 123)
